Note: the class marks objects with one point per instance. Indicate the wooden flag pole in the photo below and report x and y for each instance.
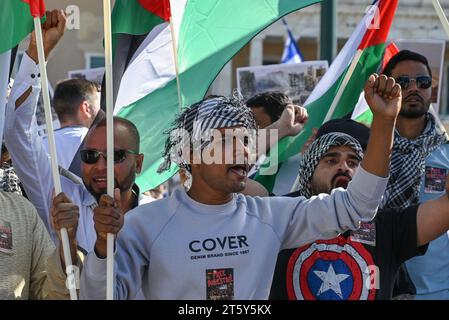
(109, 141)
(336, 100)
(441, 15)
(53, 157)
(175, 58)
(343, 86)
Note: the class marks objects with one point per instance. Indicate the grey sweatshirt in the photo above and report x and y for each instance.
(177, 248)
(29, 264)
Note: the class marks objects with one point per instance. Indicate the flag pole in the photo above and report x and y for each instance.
(109, 141)
(175, 58)
(336, 100)
(445, 23)
(441, 15)
(53, 155)
(343, 86)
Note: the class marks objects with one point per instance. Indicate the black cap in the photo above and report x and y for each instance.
(353, 128)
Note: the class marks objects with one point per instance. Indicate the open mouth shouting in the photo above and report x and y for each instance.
(341, 181)
(240, 170)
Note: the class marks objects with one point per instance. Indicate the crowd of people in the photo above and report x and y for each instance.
(368, 218)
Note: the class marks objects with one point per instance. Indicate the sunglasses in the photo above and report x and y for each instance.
(422, 82)
(90, 156)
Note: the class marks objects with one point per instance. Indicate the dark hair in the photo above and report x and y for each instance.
(131, 128)
(4, 149)
(357, 130)
(219, 108)
(405, 55)
(273, 103)
(69, 94)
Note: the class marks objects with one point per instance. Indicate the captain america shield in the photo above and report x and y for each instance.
(337, 269)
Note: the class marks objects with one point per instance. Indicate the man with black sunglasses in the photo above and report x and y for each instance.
(420, 160)
(74, 207)
(33, 166)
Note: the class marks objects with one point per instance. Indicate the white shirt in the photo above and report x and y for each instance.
(68, 141)
(177, 248)
(32, 161)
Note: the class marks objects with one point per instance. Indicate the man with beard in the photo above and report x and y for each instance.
(84, 195)
(419, 165)
(31, 159)
(361, 264)
(214, 243)
(31, 245)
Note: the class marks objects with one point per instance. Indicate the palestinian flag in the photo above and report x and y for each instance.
(361, 112)
(132, 21)
(367, 43)
(15, 24)
(208, 33)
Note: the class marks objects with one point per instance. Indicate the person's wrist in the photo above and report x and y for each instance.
(282, 131)
(73, 243)
(32, 53)
(48, 49)
(101, 249)
(383, 119)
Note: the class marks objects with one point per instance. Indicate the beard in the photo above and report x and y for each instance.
(317, 188)
(123, 186)
(96, 195)
(414, 110)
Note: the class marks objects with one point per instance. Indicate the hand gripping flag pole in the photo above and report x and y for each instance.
(109, 141)
(37, 9)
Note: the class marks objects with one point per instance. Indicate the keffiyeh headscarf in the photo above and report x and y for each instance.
(9, 182)
(408, 166)
(316, 151)
(190, 132)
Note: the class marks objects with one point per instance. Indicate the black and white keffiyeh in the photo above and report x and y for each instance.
(9, 181)
(408, 166)
(316, 151)
(191, 130)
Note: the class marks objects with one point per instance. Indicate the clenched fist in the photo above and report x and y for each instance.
(108, 218)
(384, 96)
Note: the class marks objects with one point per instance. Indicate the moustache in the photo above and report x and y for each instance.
(340, 174)
(414, 96)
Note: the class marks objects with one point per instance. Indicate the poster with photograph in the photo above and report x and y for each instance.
(433, 50)
(435, 180)
(220, 284)
(94, 74)
(295, 80)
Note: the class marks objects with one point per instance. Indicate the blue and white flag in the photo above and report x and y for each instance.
(291, 51)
